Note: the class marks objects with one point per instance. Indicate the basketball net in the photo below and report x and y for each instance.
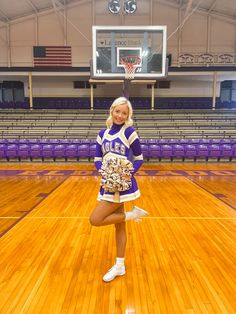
(130, 64)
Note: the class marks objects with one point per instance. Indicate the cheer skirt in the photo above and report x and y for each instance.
(124, 196)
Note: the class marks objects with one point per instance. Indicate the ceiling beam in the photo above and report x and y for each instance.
(5, 18)
(188, 8)
(58, 11)
(212, 6)
(59, 4)
(228, 18)
(57, 7)
(41, 12)
(32, 6)
(3, 21)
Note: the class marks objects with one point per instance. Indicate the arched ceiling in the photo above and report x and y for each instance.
(14, 9)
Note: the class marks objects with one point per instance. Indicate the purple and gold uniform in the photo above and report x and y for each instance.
(119, 141)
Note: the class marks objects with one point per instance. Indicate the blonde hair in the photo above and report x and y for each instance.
(120, 101)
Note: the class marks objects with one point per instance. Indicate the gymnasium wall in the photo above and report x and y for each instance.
(48, 87)
(64, 87)
(200, 33)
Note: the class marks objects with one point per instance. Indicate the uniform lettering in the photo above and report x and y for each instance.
(114, 147)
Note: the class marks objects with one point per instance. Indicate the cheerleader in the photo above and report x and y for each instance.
(120, 140)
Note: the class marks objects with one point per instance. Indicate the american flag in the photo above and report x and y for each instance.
(52, 56)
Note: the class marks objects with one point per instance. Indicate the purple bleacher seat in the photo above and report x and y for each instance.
(23, 141)
(44, 141)
(190, 151)
(12, 151)
(59, 151)
(2, 150)
(144, 141)
(83, 150)
(226, 141)
(65, 141)
(173, 141)
(166, 151)
(92, 150)
(215, 141)
(26, 105)
(149, 141)
(18, 104)
(71, 151)
(194, 141)
(12, 141)
(226, 151)
(34, 141)
(184, 141)
(54, 141)
(163, 141)
(145, 150)
(3, 141)
(47, 151)
(202, 151)
(23, 151)
(91, 141)
(234, 150)
(75, 141)
(205, 141)
(35, 151)
(214, 151)
(85, 141)
(178, 151)
(154, 150)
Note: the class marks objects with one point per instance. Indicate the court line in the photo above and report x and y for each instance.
(150, 218)
(141, 173)
(205, 189)
(29, 211)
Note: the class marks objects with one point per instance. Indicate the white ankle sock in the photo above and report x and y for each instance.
(130, 216)
(120, 261)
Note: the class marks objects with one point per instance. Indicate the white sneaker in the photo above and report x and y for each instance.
(139, 213)
(113, 273)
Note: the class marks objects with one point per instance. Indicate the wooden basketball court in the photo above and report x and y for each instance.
(180, 259)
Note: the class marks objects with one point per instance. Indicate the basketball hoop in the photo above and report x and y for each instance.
(130, 64)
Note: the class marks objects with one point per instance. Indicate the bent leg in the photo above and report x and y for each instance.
(105, 214)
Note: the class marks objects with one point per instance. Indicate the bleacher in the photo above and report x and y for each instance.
(70, 134)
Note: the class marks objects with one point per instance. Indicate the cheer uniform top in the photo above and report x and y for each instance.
(123, 142)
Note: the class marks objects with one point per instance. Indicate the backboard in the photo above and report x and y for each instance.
(111, 44)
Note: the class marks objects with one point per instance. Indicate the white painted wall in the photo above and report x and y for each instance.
(199, 34)
(50, 29)
(60, 87)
